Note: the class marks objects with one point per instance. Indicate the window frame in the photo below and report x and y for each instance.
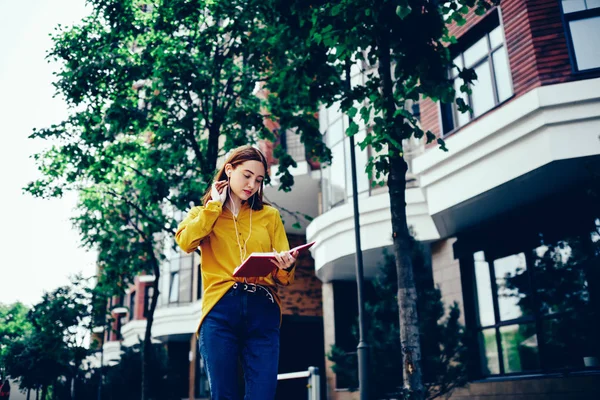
(526, 319)
(483, 30)
(576, 16)
(537, 318)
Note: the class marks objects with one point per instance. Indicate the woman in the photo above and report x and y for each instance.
(240, 317)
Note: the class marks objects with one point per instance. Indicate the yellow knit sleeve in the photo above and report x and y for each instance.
(197, 225)
(280, 243)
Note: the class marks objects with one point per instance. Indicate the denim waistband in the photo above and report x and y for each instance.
(253, 288)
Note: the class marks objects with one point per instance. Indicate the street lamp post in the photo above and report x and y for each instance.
(363, 347)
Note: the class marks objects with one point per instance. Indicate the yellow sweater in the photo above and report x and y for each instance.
(212, 228)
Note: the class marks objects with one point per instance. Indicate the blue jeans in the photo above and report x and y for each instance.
(241, 325)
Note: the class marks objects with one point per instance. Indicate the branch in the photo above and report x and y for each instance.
(294, 214)
(139, 210)
(135, 206)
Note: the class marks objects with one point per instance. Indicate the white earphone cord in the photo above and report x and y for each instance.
(243, 250)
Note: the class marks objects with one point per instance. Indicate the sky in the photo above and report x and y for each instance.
(39, 248)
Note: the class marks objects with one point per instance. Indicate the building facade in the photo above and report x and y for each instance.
(509, 216)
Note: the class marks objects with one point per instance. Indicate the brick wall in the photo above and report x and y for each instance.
(303, 297)
(536, 45)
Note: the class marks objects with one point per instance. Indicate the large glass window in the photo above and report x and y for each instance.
(535, 309)
(582, 20)
(507, 338)
(489, 59)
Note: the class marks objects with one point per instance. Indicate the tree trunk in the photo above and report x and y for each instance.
(147, 347)
(28, 394)
(212, 149)
(44, 389)
(407, 292)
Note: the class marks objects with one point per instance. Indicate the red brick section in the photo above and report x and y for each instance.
(429, 116)
(303, 297)
(140, 289)
(472, 20)
(549, 42)
(536, 45)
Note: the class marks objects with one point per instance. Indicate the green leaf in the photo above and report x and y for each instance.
(430, 136)
(403, 10)
(442, 144)
(352, 112)
(365, 113)
(352, 129)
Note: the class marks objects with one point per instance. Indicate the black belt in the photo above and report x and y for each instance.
(253, 288)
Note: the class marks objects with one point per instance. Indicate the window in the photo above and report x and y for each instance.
(582, 22)
(337, 178)
(148, 293)
(488, 58)
(132, 305)
(507, 335)
(533, 308)
(174, 287)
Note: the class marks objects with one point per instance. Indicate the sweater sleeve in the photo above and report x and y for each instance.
(197, 225)
(280, 243)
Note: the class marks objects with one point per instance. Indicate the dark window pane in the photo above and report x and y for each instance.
(560, 278)
(513, 286)
(490, 363)
(568, 341)
(519, 348)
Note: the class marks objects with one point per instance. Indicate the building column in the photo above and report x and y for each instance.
(446, 274)
(193, 364)
(329, 335)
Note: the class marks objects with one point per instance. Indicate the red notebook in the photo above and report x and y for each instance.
(259, 264)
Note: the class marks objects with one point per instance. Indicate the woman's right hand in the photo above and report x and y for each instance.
(219, 191)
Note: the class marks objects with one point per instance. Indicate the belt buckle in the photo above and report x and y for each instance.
(250, 287)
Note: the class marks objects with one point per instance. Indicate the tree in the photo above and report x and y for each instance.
(403, 45)
(54, 346)
(13, 325)
(158, 91)
(442, 337)
(119, 377)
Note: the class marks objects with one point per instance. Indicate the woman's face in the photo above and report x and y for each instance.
(246, 178)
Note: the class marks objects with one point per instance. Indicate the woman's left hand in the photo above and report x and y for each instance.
(285, 259)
